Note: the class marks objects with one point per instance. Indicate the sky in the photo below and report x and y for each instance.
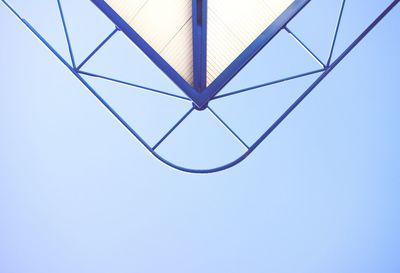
(78, 193)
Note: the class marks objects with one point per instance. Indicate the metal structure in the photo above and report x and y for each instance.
(199, 94)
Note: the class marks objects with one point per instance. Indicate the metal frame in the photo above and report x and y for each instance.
(147, 49)
(250, 52)
(200, 93)
(199, 20)
(326, 69)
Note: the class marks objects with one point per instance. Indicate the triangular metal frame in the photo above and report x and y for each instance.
(326, 68)
(201, 94)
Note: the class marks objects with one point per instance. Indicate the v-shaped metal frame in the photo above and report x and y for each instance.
(200, 93)
(326, 68)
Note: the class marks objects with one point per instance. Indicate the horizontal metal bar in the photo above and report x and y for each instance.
(133, 85)
(269, 83)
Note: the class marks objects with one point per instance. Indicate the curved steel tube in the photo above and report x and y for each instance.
(328, 69)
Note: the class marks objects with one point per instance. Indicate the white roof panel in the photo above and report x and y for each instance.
(166, 25)
(233, 25)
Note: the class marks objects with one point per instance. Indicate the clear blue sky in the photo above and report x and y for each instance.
(79, 194)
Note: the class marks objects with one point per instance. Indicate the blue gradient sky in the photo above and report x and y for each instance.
(79, 194)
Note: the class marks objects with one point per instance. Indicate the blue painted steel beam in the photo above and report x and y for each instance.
(338, 24)
(305, 47)
(71, 53)
(199, 20)
(201, 94)
(97, 48)
(247, 89)
(188, 89)
(131, 84)
(173, 128)
(228, 128)
(326, 72)
(250, 52)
